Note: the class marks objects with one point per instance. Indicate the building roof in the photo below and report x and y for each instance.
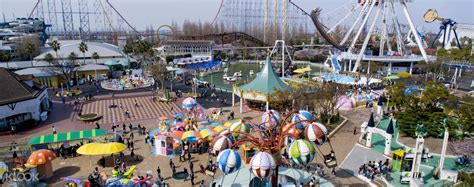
(371, 122)
(23, 64)
(103, 49)
(17, 89)
(92, 67)
(390, 129)
(36, 72)
(266, 82)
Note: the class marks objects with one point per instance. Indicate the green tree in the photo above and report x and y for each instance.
(83, 48)
(30, 48)
(128, 48)
(72, 57)
(464, 114)
(49, 58)
(56, 46)
(159, 72)
(95, 56)
(5, 57)
(27, 47)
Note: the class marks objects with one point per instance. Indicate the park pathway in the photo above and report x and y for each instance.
(343, 142)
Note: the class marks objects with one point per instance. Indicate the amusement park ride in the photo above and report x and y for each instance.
(376, 24)
(447, 26)
(297, 133)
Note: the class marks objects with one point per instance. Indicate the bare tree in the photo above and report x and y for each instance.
(325, 100)
(27, 47)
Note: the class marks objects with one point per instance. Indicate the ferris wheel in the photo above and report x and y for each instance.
(368, 30)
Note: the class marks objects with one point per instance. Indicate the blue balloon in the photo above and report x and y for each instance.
(228, 161)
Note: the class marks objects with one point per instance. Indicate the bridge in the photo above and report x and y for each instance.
(224, 38)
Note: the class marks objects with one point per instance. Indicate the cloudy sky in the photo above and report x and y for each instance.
(143, 13)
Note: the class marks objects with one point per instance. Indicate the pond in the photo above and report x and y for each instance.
(216, 78)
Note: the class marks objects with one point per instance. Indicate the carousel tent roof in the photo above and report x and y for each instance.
(266, 82)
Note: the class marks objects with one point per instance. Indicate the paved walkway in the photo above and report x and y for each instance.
(359, 155)
(146, 109)
(343, 142)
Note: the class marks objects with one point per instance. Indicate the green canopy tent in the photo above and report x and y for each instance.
(124, 63)
(111, 62)
(68, 136)
(265, 83)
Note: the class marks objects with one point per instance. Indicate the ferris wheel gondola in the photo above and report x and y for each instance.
(318, 134)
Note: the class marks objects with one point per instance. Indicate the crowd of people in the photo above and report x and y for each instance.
(373, 169)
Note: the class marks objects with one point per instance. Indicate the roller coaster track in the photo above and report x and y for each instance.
(226, 38)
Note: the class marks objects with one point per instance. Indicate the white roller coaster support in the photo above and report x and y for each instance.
(367, 38)
(342, 20)
(348, 34)
(399, 39)
(415, 33)
(354, 41)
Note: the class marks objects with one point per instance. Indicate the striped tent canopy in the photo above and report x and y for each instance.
(68, 136)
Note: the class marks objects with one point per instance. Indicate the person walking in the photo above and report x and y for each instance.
(54, 129)
(158, 172)
(355, 130)
(186, 173)
(192, 178)
(191, 166)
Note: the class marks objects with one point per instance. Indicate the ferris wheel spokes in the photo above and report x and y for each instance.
(351, 11)
(399, 37)
(364, 22)
(348, 34)
(367, 38)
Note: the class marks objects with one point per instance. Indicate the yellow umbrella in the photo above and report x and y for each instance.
(101, 148)
(191, 134)
(219, 128)
(207, 132)
(302, 70)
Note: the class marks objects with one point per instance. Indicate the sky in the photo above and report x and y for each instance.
(143, 13)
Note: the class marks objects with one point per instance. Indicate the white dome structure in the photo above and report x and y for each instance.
(104, 50)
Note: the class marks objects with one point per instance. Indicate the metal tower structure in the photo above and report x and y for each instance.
(68, 22)
(95, 20)
(268, 20)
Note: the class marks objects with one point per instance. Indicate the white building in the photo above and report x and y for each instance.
(105, 51)
(21, 101)
(185, 47)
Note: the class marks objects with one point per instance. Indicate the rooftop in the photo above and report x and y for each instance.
(103, 49)
(17, 89)
(266, 82)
